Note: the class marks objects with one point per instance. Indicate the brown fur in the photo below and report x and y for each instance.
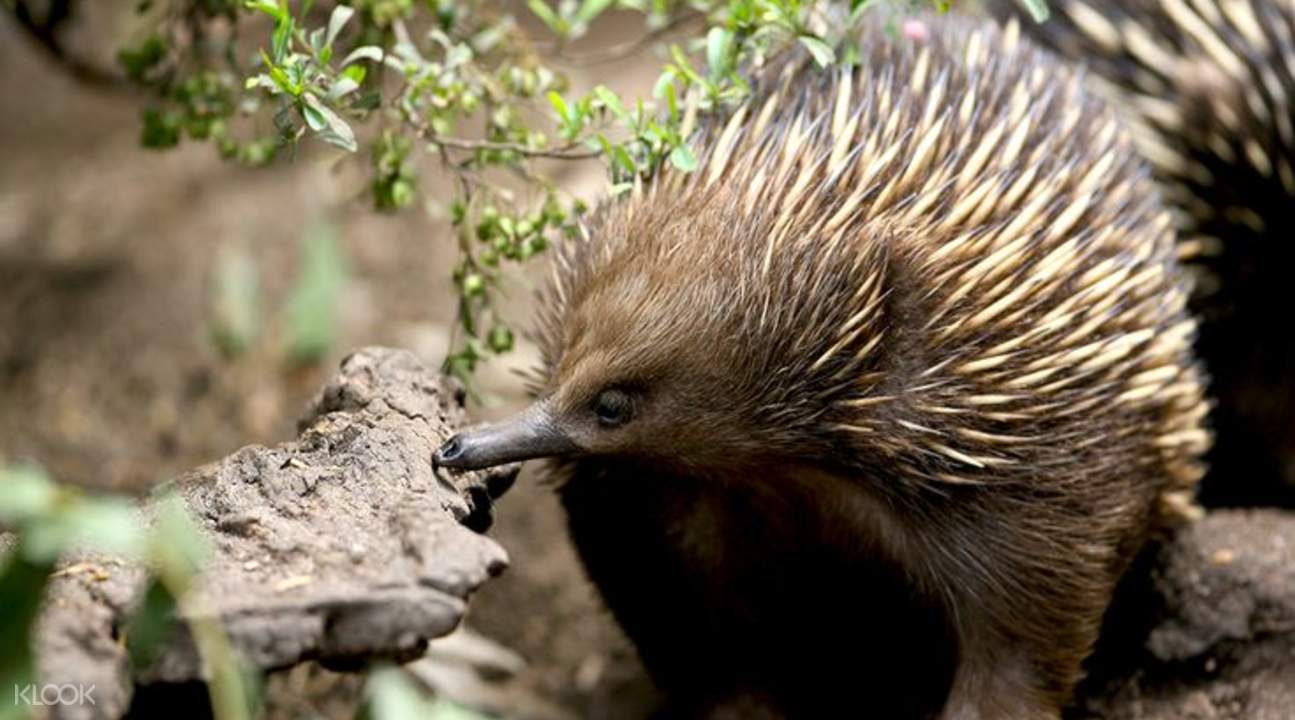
(912, 380)
(1208, 88)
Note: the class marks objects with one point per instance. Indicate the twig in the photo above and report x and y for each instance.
(620, 51)
(570, 151)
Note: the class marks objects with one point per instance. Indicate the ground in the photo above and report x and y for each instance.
(109, 377)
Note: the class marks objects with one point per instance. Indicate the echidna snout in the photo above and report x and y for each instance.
(532, 434)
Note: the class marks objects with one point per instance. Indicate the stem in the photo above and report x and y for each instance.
(621, 51)
(570, 151)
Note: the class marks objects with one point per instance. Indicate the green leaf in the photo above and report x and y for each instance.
(671, 101)
(312, 306)
(138, 61)
(52, 519)
(611, 101)
(683, 158)
(663, 81)
(364, 52)
(317, 40)
(458, 55)
(106, 524)
(474, 286)
(328, 125)
(570, 117)
(1038, 9)
(682, 66)
(260, 80)
(624, 159)
(500, 339)
(560, 105)
(355, 73)
(490, 37)
(617, 156)
(719, 44)
(160, 129)
(179, 550)
(315, 119)
(280, 78)
(268, 7)
(26, 492)
(590, 9)
(281, 40)
(341, 15)
(545, 14)
(150, 624)
(22, 587)
(390, 696)
(368, 101)
(822, 52)
(344, 86)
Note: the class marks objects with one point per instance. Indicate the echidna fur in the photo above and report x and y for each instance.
(914, 376)
(1208, 89)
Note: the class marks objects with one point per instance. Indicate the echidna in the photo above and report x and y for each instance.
(867, 415)
(1208, 87)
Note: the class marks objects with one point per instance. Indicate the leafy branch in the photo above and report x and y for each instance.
(466, 84)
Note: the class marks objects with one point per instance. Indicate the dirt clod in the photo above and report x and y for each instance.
(1224, 645)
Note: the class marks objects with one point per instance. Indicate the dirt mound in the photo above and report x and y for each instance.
(1223, 647)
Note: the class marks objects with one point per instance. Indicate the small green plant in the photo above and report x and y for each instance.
(48, 521)
(234, 317)
(307, 319)
(312, 308)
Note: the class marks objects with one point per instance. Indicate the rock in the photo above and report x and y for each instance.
(1223, 644)
(343, 546)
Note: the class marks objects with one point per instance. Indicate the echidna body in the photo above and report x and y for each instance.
(868, 414)
(1208, 87)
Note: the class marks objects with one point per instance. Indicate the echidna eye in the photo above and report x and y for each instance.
(612, 407)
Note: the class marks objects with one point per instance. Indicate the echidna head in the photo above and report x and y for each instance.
(611, 405)
(670, 338)
(647, 368)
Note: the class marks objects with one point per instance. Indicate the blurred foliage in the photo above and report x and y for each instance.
(312, 307)
(389, 694)
(1038, 9)
(235, 314)
(48, 521)
(308, 319)
(472, 86)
